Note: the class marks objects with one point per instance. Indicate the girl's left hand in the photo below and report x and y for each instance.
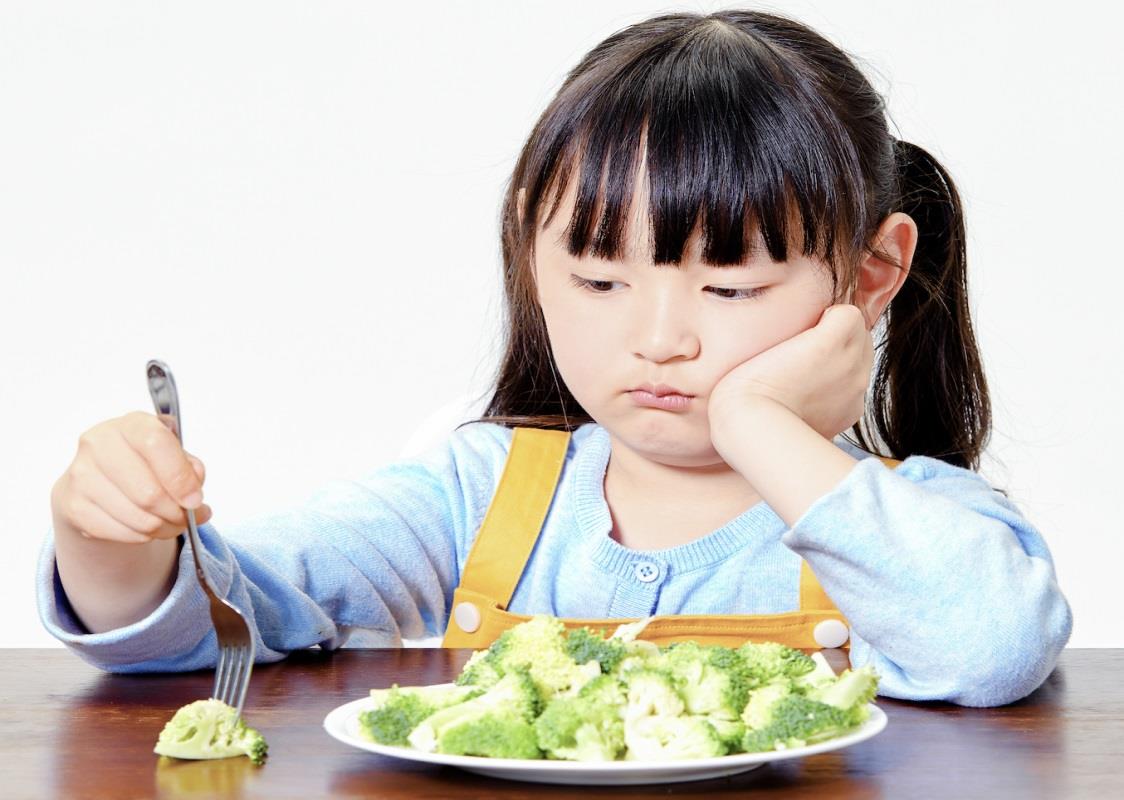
(821, 375)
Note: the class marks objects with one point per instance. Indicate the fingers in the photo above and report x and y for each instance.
(92, 522)
(113, 457)
(101, 492)
(129, 482)
(159, 448)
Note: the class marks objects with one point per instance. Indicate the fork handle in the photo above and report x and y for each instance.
(166, 400)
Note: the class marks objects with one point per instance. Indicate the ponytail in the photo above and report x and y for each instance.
(929, 394)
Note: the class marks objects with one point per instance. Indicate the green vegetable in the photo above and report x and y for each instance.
(538, 646)
(583, 646)
(588, 727)
(660, 738)
(770, 660)
(398, 710)
(778, 716)
(210, 729)
(540, 692)
(498, 723)
(714, 681)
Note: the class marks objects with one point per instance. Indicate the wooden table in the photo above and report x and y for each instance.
(69, 731)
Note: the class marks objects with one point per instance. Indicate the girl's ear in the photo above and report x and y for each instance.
(885, 268)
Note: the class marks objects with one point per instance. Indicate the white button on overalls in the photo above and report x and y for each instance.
(831, 633)
(467, 617)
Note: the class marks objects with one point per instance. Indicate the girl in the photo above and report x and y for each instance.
(703, 237)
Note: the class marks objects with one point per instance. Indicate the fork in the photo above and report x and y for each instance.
(236, 644)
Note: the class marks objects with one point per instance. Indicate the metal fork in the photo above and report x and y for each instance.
(236, 644)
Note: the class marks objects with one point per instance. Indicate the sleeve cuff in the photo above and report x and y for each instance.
(159, 641)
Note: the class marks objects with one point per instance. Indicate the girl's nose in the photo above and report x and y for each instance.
(664, 329)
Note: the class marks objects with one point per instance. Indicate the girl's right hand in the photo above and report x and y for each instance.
(129, 482)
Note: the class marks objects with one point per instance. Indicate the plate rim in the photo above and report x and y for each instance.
(336, 725)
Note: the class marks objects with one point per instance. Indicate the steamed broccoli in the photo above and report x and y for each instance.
(398, 710)
(660, 738)
(730, 731)
(820, 675)
(714, 681)
(584, 646)
(479, 671)
(769, 660)
(851, 692)
(539, 646)
(795, 721)
(777, 717)
(588, 727)
(498, 723)
(652, 692)
(210, 729)
(540, 692)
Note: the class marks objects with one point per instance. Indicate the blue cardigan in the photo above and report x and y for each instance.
(950, 592)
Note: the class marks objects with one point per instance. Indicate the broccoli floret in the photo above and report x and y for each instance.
(850, 692)
(539, 646)
(769, 660)
(584, 645)
(479, 671)
(820, 675)
(714, 681)
(730, 731)
(210, 729)
(588, 727)
(777, 717)
(759, 710)
(493, 736)
(398, 710)
(497, 724)
(660, 738)
(795, 721)
(652, 692)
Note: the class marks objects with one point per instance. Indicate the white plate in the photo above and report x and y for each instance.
(343, 723)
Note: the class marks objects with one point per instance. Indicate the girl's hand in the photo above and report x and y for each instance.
(129, 482)
(821, 375)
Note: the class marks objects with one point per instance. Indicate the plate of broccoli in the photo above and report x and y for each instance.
(551, 706)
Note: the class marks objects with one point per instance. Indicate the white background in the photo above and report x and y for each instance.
(296, 206)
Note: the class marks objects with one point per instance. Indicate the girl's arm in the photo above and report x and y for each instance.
(950, 593)
(787, 463)
(380, 554)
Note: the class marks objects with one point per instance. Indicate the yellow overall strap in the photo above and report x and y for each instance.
(513, 521)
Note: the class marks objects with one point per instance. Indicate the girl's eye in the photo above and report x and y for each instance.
(737, 294)
(595, 286)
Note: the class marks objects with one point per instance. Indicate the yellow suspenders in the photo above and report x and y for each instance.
(508, 534)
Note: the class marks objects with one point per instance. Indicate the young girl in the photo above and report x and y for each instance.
(703, 237)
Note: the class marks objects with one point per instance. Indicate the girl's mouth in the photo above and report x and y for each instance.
(667, 402)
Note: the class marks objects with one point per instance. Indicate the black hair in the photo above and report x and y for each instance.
(752, 128)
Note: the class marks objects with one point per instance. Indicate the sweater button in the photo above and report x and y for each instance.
(646, 571)
(467, 617)
(831, 633)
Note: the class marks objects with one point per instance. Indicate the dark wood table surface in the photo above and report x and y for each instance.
(69, 731)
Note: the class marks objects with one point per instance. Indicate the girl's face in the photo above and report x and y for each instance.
(614, 326)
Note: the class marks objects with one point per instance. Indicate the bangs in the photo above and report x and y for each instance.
(734, 141)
